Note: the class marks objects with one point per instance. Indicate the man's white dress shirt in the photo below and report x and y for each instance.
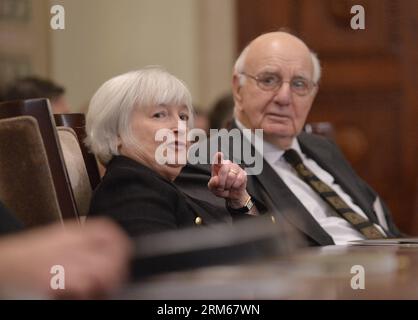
(338, 228)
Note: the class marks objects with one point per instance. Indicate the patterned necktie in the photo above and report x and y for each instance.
(364, 226)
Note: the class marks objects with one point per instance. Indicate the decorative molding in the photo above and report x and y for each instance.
(325, 25)
(15, 11)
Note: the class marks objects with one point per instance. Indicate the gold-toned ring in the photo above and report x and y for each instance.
(234, 171)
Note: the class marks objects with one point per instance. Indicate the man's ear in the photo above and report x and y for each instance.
(236, 89)
(316, 88)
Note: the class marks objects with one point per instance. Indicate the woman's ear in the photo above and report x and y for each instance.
(119, 142)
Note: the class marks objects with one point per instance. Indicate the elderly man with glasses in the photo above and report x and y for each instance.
(306, 183)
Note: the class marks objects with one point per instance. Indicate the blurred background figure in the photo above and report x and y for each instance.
(222, 112)
(201, 119)
(34, 87)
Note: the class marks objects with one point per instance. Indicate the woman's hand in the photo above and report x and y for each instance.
(228, 181)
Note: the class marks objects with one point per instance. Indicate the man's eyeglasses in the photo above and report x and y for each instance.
(272, 82)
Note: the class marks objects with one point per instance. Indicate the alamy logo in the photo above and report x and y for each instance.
(358, 21)
(58, 17)
(358, 281)
(58, 278)
(241, 147)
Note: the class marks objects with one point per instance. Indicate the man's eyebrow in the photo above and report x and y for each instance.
(301, 75)
(278, 72)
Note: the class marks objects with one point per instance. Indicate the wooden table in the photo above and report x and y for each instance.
(315, 273)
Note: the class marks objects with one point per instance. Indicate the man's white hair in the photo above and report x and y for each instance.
(108, 120)
(239, 66)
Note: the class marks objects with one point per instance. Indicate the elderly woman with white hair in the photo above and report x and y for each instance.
(124, 118)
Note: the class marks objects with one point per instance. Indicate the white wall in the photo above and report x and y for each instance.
(217, 48)
(193, 39)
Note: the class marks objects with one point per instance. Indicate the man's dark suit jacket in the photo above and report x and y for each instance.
(8, 222)
(272, 194)
(142, 201)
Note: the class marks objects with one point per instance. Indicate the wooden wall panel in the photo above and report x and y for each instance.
(327, 26)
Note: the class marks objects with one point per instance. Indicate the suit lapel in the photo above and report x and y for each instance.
(286, 204)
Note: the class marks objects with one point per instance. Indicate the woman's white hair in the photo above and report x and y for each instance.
(108, 120)
(239, 66)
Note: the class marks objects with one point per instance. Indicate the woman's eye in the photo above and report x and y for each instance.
(184, 117)
(158, 115)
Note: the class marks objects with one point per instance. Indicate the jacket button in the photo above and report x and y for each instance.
(273, 219)
(198, 220)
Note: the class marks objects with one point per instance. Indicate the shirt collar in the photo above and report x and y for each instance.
(270, 152)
